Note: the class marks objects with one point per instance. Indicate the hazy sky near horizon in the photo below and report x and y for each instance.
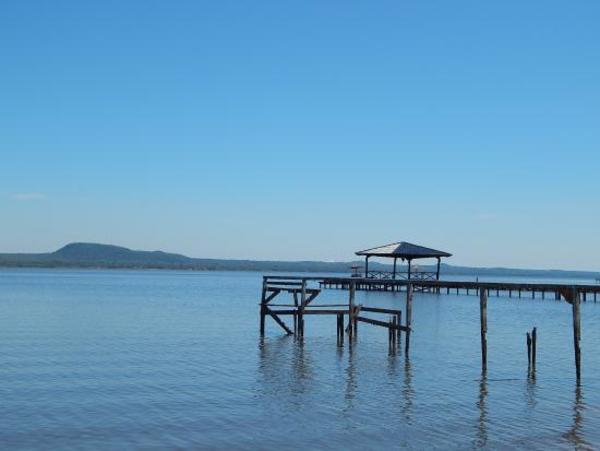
(303, 130)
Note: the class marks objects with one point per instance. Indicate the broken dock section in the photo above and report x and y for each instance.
(301, 292)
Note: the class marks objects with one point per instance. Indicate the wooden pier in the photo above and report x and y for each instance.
(303, 293)
(588, 292)
(304, 290)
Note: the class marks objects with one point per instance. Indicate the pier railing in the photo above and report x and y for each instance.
(403, 275)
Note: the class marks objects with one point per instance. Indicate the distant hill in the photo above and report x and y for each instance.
(92, 255)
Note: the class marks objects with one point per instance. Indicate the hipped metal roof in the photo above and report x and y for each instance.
(403, 250)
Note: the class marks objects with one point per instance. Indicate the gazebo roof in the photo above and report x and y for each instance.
(403, 250)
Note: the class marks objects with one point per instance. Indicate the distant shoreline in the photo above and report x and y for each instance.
(102, 256)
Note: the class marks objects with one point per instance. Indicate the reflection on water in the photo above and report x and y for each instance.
(350, 382)
(125, 359)
(575, 434)
(482, 434)
(530, 394)
(407, 391)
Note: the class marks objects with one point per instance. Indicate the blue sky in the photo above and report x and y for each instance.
(303, 130)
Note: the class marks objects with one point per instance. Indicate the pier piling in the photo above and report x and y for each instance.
(576, 331)
(483, 323)
(528, 335)
(409, 299)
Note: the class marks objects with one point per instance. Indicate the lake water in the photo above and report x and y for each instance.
(162, 360)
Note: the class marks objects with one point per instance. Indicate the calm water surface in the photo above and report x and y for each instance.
(155, 360)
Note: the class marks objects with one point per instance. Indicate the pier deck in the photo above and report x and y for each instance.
(508, 289)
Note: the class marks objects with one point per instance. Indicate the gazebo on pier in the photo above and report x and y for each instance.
(405, 252)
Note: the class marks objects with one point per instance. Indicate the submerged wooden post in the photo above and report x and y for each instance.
(399, 332)
(483, 319)
(409, 299)
(576, 330)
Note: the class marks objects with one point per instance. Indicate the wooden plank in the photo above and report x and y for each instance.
(310, 312)
(278, 321)
(311, 306)
(271, 296)
(284, 283)
(381, 310)
(376, 322)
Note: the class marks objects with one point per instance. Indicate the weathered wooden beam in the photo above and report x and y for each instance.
(576, 331)
(351, 296)
(312, 295)
(483, 323)
(528, 335)
(533, 348)
(310, 311)
(310, 306)
(272, 296)
(284, 283)
(409, 299)
(278, 321)
(380, 310)
(376, 322)
(399, 331)
(357, 309)
(263, 307)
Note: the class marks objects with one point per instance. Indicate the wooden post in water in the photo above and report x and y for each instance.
(483, 297)
(533, 348)
(409, 299)
(394, 335)
(399, 332)
(263, 307)
(301, 309)
(576, 331)
(351, 321)
(528, 352)
(390, 337)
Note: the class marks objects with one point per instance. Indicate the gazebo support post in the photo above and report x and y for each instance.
(437, 273)
(394, 274)
(409, 267)
(366, 267)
